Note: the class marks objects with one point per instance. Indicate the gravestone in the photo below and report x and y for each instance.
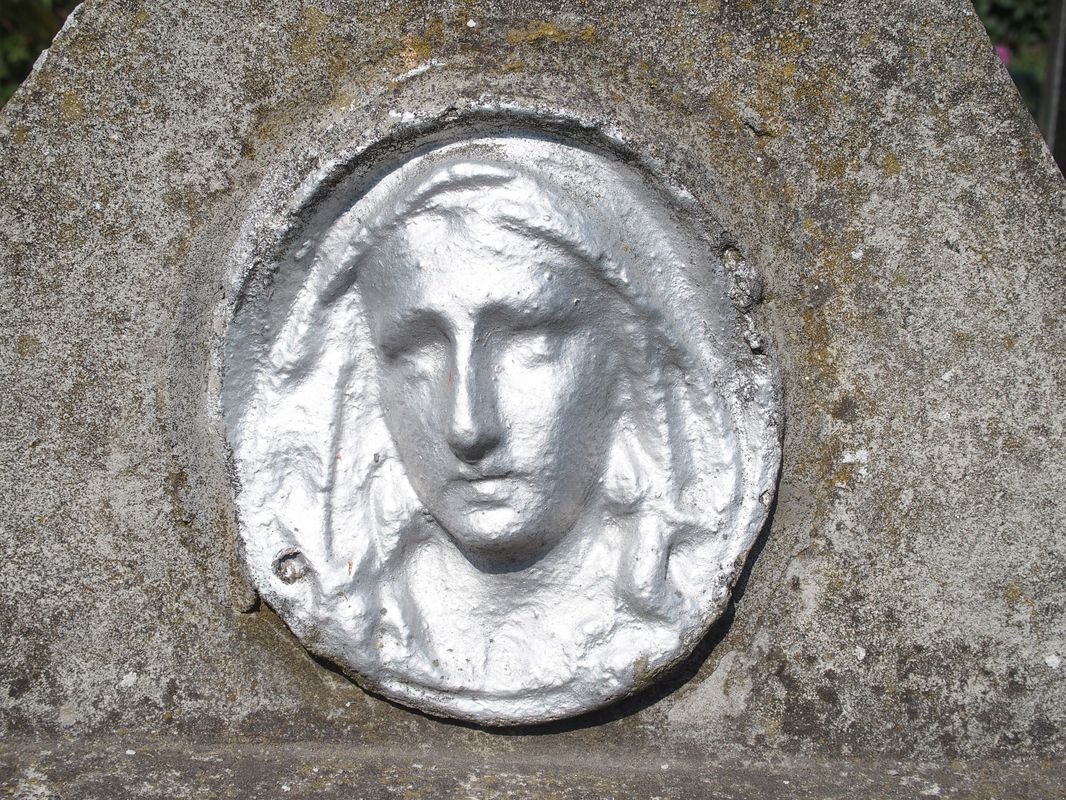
(837, 239)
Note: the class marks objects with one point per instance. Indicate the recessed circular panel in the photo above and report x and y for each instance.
(501, 440)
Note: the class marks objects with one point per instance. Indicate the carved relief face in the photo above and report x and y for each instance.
(499, 366)
(492, 400)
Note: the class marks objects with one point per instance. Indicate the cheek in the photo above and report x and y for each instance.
(411, 404)
(555, 410)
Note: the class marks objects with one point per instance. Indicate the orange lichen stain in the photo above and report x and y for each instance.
(709, 6)
(1009, 342)
(414, 50)
(867, 38)
(19, 134)
(343, 97)
(723, 98)
(772, 726)
(843, 475)
(816, 332)
(537, 30)
(941, 120)
(588, 33)
(790, 43)
(514, 65)
(268, 123)
(434, 28)
(836, 167)
(70, 106)
(820, 93)
(890, 164)
(307, 34)
(725, 45)
(773, 81)
(26, 345)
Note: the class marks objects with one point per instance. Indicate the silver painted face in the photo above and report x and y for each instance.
(498, 379)
(500, 442)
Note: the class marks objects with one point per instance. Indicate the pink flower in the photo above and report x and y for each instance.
(1003, 52)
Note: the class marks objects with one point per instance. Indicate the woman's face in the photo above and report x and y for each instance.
(499, 369)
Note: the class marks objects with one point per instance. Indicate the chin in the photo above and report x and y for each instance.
(499, 540)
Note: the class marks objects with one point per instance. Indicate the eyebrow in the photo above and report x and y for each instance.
(393, 332)
(531, 316)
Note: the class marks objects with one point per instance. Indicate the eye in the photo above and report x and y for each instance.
(536, 345)
(421, 356)
(415, 342)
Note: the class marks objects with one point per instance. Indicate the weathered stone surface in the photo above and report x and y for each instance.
(875, 167)
(119, 767)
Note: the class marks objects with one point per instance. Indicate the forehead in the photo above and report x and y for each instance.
(468, 261)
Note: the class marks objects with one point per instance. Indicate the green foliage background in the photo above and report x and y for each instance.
(1023, 26)
(28, 26)
(1015, 23)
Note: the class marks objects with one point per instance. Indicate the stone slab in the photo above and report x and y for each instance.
(873, 163)
(119, 767)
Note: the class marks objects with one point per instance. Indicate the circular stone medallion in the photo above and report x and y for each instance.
(500, 439)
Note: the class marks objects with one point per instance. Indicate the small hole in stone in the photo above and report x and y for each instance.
(730, 255)
(290, 566)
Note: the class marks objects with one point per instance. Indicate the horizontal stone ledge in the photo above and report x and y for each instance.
(174, 768)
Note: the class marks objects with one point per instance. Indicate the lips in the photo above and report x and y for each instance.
(487, 488)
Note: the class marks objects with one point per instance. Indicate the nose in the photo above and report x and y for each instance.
(474, 428)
